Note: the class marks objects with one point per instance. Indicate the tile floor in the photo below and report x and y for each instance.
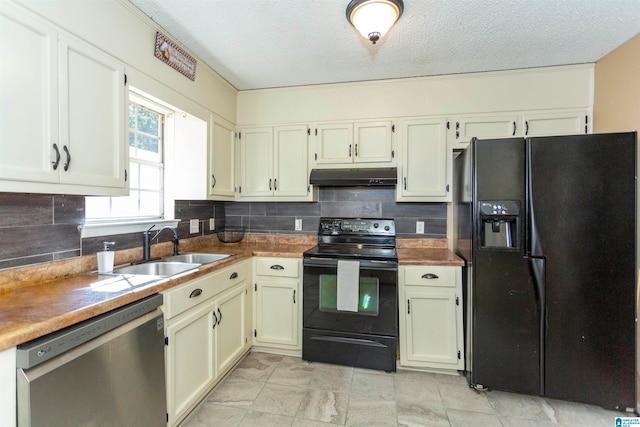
(275, 390)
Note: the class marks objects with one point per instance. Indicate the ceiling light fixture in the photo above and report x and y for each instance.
(373, 18)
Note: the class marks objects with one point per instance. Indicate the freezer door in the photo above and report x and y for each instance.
(582, 206)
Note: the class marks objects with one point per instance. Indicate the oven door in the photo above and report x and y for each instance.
(377, 303)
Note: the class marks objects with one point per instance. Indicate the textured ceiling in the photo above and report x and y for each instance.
(257, 44)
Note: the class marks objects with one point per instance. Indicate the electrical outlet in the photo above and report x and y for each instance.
(194, 226)
(298, 224)
(212, 224)
(419, 227)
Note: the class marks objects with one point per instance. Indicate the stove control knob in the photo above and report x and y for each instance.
(375, 225)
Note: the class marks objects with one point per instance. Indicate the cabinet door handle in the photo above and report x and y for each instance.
(195, 293)
(66, 164)
(430, 276)
(349, 150)
(457, 130)
(514, 129)
(220, 313)
(213, 180)
(526, 128)
(276, 267)
(275, 184)
(294, 296)
(405, 182)
(408, 306)
(356, 150)
(215, 320)
(234, 275)
(57, 160)
(270, 184)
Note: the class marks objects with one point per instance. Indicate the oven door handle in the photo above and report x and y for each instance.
(364, 264)
(345, 340)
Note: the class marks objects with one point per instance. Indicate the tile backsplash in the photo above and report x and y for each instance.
(375, 202)
(37, 228)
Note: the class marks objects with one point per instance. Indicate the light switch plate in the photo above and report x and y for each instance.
(194, 226)
(419, 227)
(298, 224)
(212, 224)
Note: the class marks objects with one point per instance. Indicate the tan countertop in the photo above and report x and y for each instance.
(45, 298)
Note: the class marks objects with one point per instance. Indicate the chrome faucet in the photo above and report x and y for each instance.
(148, 240)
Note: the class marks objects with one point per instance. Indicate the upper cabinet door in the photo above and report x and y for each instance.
(221, 159)
(257, 161)
(291, 170)
(486, 127)
(93, 120)
(425, 161)
(29, 107)
(554, 123)
(372, 142)
(335, 143)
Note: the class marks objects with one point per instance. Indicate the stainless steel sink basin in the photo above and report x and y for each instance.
(198, 258)
(157, 268)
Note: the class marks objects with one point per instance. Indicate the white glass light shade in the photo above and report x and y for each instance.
(373, 18)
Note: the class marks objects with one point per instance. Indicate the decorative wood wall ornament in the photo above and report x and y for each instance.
(173, 55)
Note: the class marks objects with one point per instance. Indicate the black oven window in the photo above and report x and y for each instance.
(368, 299)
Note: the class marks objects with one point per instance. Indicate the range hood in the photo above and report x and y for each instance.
(354, 177)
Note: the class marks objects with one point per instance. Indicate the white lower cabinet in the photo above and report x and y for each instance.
(431, 329)
(278, 303)
(231, 340)
(206, 334)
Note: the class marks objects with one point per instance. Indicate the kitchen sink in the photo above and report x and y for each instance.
(198, 258)
(157, 268)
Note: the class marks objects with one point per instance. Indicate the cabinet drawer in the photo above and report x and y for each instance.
(430, 276)
(281, 267)
(190, 294)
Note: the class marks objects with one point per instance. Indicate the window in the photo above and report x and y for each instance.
(147, 132)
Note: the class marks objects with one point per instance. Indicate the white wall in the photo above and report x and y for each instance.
(532, 89)
(118, 28)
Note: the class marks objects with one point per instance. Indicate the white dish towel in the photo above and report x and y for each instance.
(348, 285)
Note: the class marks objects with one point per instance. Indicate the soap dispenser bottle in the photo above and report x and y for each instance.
(105, 258)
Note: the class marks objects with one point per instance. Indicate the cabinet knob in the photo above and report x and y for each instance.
(430, 276)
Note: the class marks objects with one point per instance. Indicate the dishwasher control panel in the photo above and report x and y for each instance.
(44, 348)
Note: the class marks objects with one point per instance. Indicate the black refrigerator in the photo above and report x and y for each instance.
(547, 227)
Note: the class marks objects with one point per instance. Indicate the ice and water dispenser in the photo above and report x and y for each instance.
(499, 224)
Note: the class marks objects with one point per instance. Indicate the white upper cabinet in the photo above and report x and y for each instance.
(256, 146)
(291, 169)
(571, 122)
(93, 116)
(426, 162)
(29, 107)
(221, 160)
(274, 163)
(367, 143)
(64, 112)
(517, 124)
(334, 143)
(483, 126)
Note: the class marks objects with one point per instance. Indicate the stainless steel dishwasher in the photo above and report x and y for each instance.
(106, 371)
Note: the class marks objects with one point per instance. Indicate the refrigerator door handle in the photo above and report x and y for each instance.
(537, 265)
(533, 240)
